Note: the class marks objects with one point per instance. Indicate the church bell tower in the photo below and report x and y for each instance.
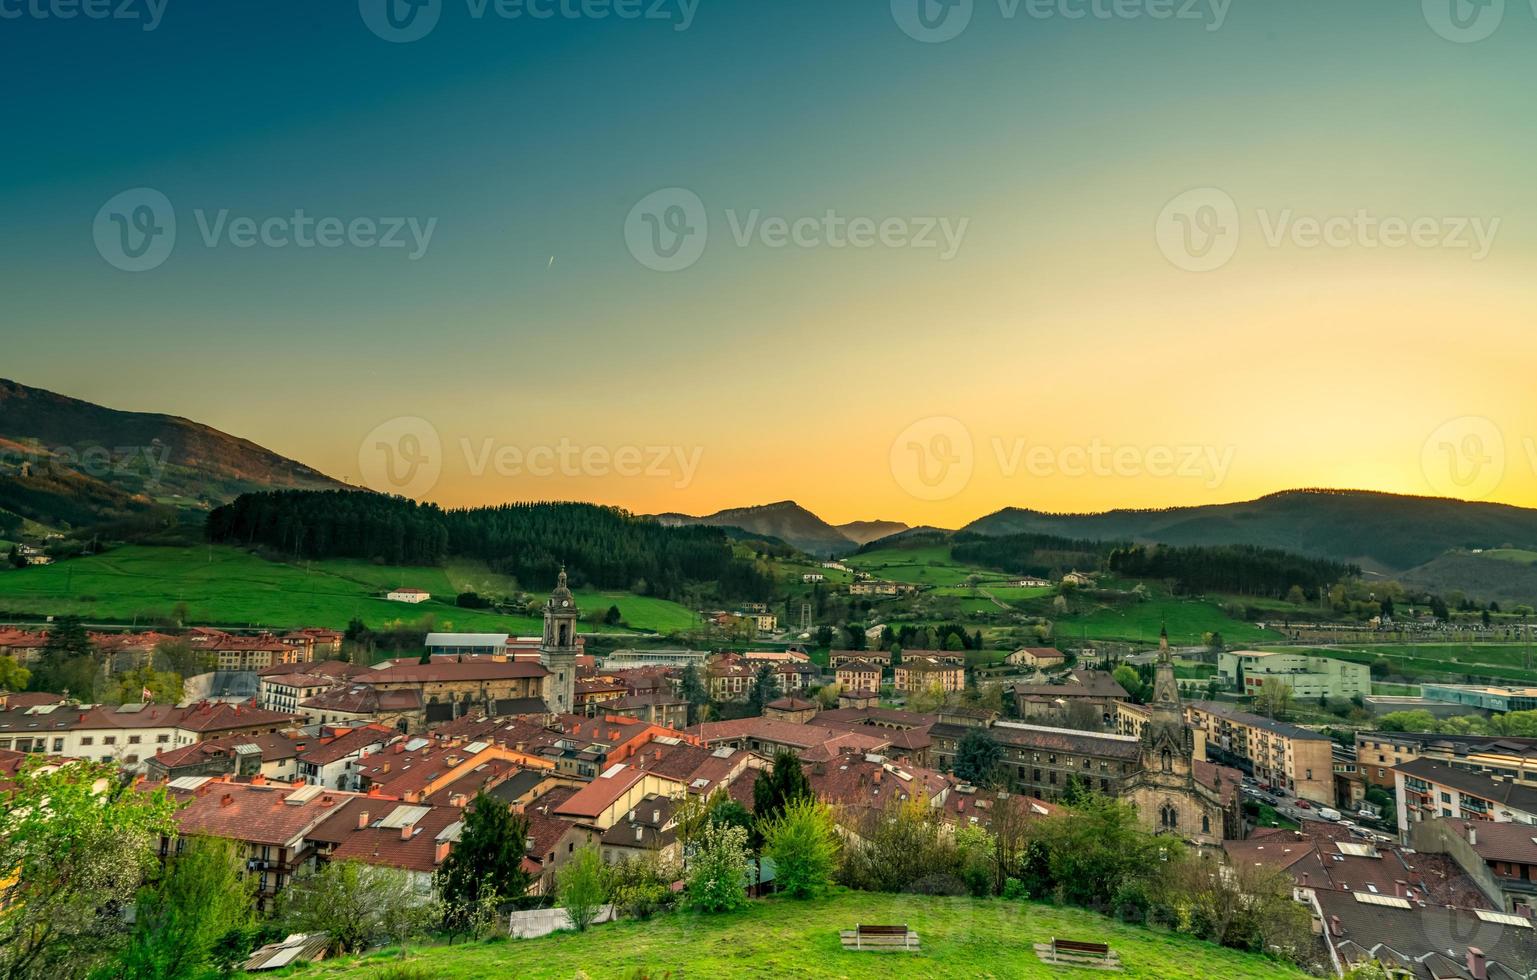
(558, 648)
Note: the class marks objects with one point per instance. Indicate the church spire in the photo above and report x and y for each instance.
(1165, 687)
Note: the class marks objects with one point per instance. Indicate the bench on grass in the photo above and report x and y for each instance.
(880, 938)
(1071, 952)
(1075, 948)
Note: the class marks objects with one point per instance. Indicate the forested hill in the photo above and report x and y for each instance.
(601, 547)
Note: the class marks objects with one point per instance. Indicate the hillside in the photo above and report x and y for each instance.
(67, 462)
(786, 520)
(863, 532)
(1385, 533)
(960, 937)
(223, 586)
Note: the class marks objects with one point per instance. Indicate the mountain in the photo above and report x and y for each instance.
(785, 520)
(69, 463)
(863, 532)
(1384, 533)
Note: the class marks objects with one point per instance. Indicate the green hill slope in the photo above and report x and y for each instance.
(229, 587)
(780, 938)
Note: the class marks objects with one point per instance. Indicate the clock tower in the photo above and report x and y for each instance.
(558, 649)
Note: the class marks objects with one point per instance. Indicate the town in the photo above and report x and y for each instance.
(1376, 844)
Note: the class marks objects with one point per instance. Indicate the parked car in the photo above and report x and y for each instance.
(1304, 805)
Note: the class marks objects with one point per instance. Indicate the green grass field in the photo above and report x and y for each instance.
(1187, 620)
(1446, 662)
(229, 587)
(783, 938)
(931, 565)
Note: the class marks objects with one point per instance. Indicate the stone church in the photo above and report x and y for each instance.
(1175, 792)
(558, 648)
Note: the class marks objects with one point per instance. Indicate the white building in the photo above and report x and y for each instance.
(409, 595)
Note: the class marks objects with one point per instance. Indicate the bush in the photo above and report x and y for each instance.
(581, 887)
(717, 881)
(803, 844)
(642, 887)
(902, 848)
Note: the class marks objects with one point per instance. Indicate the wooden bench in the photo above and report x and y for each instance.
(1071, 952)
(880, 938)
(1075, 948)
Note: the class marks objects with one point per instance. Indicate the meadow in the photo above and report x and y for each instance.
(775, 937)
(224, 586)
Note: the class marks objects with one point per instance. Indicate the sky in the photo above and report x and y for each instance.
(894, 259)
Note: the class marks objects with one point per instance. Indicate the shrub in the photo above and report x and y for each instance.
(581, 887)
(803, 844)
(717, 881)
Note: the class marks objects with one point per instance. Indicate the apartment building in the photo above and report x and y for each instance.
(1276, 753)
(1514, 759)
(1426, 789)
(1310, 678)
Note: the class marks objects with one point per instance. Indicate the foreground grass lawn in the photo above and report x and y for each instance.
(226, 586)
(783, 938)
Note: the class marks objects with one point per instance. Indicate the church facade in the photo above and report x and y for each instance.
(1174, 792)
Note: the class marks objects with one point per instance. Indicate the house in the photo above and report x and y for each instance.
(332, 761)
(813, 577)
(349, 705)
(603, 802)
(552, 838)
(273, 756)
(1038, 658)
(1029, 582)
(859, 675)
(660, 708)
(412, 839)
(408, 595)
(272, 823)
(1501, 855)
(915, 674)
(767, 736)
(792, 709)
(1415, 939)
(1425, 789)
(649, 828)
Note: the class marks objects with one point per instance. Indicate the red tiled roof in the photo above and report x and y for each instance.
(387, 847)
(342, 746)
(469, 669)
(591, 800)
(220, 716)
(257, 814)
(362, 699)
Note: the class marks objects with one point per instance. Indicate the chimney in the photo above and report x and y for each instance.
(1304, 879)
(400, 747)
(1400, 888)
(1472, 838)
(258, 780)
(1335, 929)
(227, 800)
(406, 831)
(363, 820)
(1476, 965)
(440, 853)
(878, 774)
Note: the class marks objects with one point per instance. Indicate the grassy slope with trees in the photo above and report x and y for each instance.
(961, 937)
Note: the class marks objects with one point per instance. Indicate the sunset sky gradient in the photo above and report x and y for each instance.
(790, 372)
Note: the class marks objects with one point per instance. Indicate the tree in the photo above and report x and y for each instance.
(977, 757)
(486, 865)
(581, 886)
(692, 690)
(613, 617)
(1273, 699)
(803, 843)
(67, 661)
(356, 903)
(718, 875)
(1296, 596)
(1127, 676)
(78, 841)
(129, 686)
(180, 657)
(13, 676)
(642, 886)
(765, 689)
(782, 784)
(903, 847)
(1097, 849)
(187, 919)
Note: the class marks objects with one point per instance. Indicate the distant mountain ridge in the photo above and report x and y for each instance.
(68, 462)
(793, 524)
(1385, 533)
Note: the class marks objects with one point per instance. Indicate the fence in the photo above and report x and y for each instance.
(541, 922)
